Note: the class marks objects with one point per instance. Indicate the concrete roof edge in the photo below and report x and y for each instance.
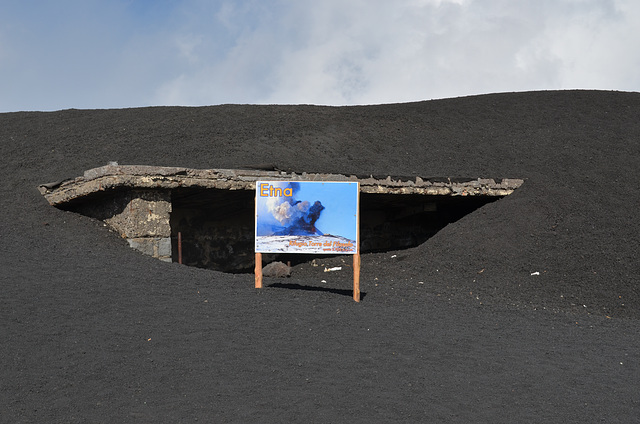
(113, 176)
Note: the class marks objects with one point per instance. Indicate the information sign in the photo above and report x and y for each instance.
(307, 217)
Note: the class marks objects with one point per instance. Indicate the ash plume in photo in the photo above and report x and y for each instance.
(296, 217)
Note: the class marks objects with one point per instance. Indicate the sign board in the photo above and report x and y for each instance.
(307, 217)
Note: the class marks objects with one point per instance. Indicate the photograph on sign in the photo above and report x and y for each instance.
(306, 217)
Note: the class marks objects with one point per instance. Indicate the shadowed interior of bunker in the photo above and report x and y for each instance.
(217, 226)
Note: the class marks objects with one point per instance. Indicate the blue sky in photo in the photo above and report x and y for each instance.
(340, 202)
(95, 54)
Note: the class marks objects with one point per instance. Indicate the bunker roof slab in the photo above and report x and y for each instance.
(115, 176)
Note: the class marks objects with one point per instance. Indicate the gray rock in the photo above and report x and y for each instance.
(276, 269)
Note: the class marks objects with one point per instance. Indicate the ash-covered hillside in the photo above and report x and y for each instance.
(573, 221)
(525, 308)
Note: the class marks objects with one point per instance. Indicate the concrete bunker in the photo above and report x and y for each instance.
(213, 209)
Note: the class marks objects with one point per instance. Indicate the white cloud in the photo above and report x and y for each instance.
(299, 51)
(337, 52)
(602, 49)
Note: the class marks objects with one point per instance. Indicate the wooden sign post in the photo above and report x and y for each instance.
(312, 217)
(356, 277)
(258, 270)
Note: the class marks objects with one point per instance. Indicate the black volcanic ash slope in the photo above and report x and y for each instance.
(92, 331)
(573, 221)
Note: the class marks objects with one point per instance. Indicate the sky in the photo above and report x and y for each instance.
(97, 54)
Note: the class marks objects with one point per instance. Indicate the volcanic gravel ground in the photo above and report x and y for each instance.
(525, 310)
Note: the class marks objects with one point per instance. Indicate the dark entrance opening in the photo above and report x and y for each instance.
(217, 228)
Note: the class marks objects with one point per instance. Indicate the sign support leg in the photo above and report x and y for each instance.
(356, 277)
(258, 270)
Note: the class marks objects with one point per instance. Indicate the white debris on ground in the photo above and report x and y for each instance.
(335, 268)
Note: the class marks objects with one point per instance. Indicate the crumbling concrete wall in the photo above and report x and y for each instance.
(140, 216)
(144, 221)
